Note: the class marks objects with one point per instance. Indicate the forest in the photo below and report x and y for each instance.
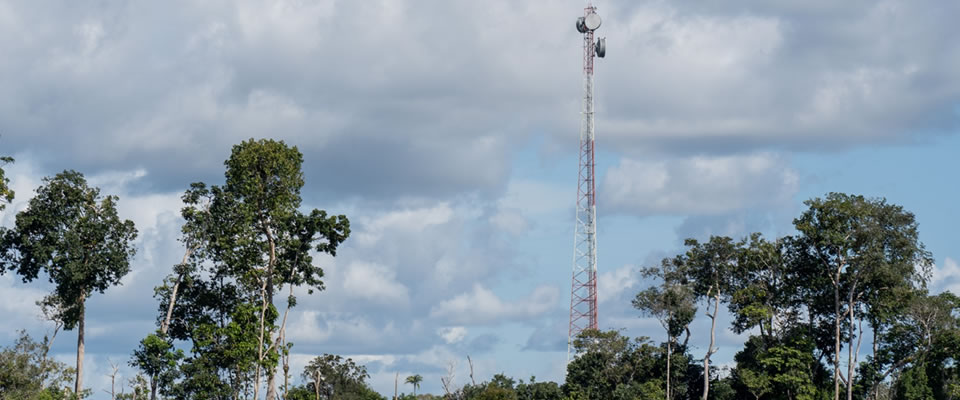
(839, 309)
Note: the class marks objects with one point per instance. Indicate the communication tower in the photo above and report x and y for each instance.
(583, 293)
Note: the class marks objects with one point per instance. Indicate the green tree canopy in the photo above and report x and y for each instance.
(75, 236)
(27, 373)
(415, 381)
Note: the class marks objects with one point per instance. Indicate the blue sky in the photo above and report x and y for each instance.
(447, 132)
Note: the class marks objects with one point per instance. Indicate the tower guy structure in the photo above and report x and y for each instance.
(583, 292)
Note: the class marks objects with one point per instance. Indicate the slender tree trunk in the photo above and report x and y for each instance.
(260, 340)
(173, 295)
(669, 356)
(851, 361)
(78, 387)
(853, 354)
(316, 384)
(710, 350)
(46, 351)
(876, 368)
(272, 372)
(836, 336)
(165, 325)
(281, 344)
(153, 388)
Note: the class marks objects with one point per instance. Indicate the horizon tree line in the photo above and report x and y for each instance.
(855, 269)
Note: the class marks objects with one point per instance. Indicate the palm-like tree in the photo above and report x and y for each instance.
(415, 381)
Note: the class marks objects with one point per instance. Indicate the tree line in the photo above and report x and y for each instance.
(854, 274)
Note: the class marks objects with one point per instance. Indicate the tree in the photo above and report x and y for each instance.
(757, 382)
(920, 350)
(538, 390)
(245, 240)
(612, 366)
(330, 375)
(157, 358)
(859, 243)
(154, 357)
(671, 303)
(26, 372)
(74, 235)
(262, 238)
(139, 389)
(712, 266)
(415, 381)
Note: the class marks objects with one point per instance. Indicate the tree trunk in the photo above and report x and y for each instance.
(260, 340)
(851, 361)
(271, 372)
(46, 351)
(316, 384)
(78, 387)
(669, 355)
(710, 350)
(836, 336)
(876, 368)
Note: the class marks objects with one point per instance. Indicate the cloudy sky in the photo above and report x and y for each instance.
(447, 132)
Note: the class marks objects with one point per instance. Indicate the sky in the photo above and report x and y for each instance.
(447, 132)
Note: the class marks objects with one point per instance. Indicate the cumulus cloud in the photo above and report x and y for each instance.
(481, 305)
(724, 78)
(452, 334)
(376, 283)
(946, 277)
(612, 284)
(698, 185)
(379, 90)
(510, 221)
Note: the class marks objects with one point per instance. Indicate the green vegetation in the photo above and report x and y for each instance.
(75, 237)
(855, 269)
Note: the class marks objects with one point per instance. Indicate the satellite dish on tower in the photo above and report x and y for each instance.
(592, 21)
(601, 47)
(581, 26)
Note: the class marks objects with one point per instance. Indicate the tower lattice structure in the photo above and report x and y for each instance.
(583, 293)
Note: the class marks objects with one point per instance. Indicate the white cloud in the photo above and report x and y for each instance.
(612, 283)
(510, 221)
(699, 185)
(946, 277)
(452, 334)
(376, 283)
(531, 198)
(482, 306)
(18, 305)
(409, 221)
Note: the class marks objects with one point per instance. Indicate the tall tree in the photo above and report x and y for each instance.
(265, 239)
(74, 235)
(156, 356)
(415, 381)
(331, 374)
(245, 240)
(712, 266)
(671, 303)
(858, 242)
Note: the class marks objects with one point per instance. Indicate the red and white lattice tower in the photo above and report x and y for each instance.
(583, 293)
